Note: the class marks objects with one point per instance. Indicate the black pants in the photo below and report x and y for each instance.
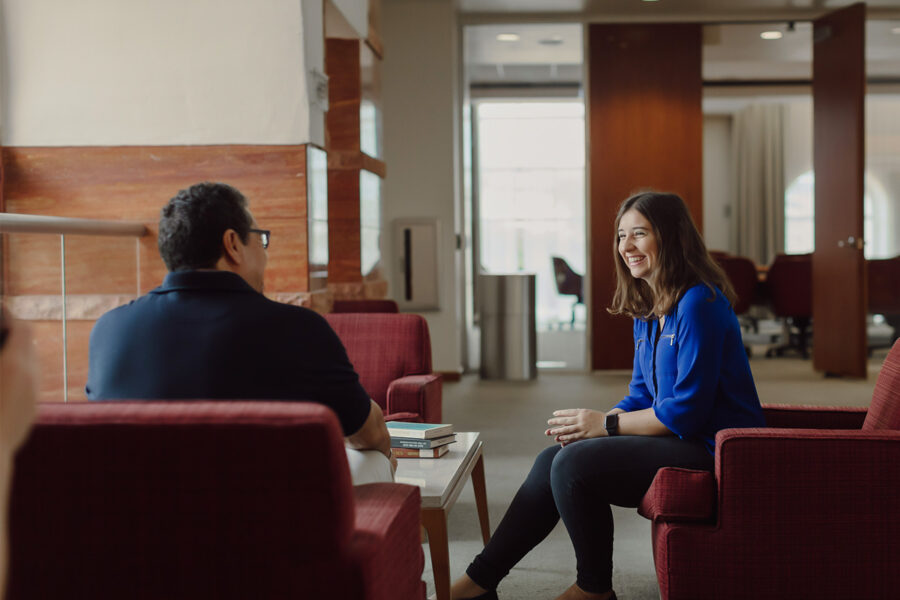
(578, 482)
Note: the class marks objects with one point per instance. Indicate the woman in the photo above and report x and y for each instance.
(691, 378)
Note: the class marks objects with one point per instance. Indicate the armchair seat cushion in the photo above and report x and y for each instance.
(680, 495)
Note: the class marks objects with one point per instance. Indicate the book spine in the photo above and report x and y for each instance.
(413, 453)
(396, 443)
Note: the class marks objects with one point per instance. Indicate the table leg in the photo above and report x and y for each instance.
(481, 498)
(435, 522)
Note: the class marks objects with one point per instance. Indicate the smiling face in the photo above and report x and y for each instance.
(638, 246)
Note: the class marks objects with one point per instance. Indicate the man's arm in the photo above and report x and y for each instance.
(373, 435)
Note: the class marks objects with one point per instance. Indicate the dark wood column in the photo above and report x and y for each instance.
(646, 132)
(839, 87)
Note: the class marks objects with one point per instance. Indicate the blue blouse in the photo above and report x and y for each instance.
(703, 381)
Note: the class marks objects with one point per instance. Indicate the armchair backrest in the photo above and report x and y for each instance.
(383, 347)
(741, 273)
(365, 306)
(884, 282)
(884, 412)
(789, 281)
(179, 499)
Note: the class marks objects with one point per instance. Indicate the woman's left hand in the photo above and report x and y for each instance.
(573, 424)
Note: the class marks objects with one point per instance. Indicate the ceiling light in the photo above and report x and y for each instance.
(551, 41)
(508, 37)
(771, 35)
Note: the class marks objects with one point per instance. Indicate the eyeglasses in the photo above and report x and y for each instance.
(265, 234)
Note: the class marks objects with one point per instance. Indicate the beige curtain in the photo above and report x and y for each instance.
(758, 167)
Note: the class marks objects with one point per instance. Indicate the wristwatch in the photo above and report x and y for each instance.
(611, 424)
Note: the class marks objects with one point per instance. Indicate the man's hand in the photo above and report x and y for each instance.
(373, 435)
(573, 424)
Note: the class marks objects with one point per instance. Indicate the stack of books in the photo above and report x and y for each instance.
(420, 440)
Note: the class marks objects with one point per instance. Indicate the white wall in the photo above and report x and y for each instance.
(419, 86)
(718, 195)
(314, 65)
(355, 15)
(144, 72)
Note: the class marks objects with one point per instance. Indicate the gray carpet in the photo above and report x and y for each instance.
(512, 419)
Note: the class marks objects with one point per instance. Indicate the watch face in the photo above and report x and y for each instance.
(611, 422)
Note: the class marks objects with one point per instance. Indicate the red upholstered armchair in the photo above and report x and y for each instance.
(150, 500)
(365, 306)
(392, 354)
(807, 509)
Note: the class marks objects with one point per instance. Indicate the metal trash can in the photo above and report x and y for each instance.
(508, 332)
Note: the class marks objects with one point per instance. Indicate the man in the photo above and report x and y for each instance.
(209, 333)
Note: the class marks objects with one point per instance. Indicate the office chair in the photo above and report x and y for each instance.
(789, 283)
(741, 272)
(884, 283)
(568, 283)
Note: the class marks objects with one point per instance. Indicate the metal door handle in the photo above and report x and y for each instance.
(851, 242)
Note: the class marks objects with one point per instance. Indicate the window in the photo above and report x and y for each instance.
(531, 194)
(800, 213)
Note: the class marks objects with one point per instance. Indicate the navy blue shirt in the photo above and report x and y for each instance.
(696, 376)
(209, 335)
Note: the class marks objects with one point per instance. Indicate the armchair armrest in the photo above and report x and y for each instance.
(419, 394)
(793, 479)
(679, 495)
(814, 417)
(386, 543)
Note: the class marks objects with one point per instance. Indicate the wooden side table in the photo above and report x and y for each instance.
(441, 480)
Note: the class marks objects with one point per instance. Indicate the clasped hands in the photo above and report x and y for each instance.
(572, 424)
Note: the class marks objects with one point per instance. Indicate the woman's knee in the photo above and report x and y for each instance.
(569, 465)
(540, 471)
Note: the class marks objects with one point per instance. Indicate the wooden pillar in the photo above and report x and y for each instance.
(346, 163)
(839, 87)
(646, 132)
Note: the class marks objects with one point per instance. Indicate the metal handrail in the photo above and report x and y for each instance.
(15, 223)
(62, 226)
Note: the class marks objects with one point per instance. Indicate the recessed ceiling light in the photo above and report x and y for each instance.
(771, 35)
(508, 37)
(551, 41)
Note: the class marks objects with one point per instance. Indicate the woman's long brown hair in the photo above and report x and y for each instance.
(683, 259)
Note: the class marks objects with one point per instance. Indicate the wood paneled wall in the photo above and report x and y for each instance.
(345, 161)
(646, 132)
(132, 183)
(342, 65)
